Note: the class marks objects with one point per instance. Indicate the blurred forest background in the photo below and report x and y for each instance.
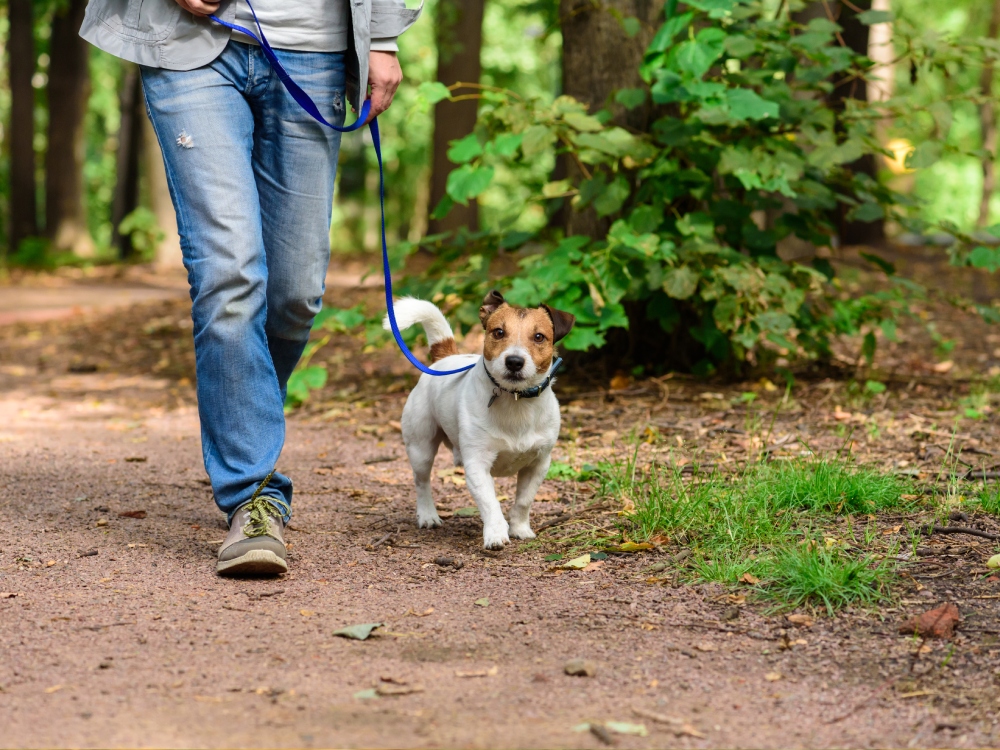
(702, 141)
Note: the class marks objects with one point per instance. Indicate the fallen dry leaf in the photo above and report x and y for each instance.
(689, 731)
(8, 594)
(939, 622)
(577, 563)
(306, 612)
(358, 632)
(800, 621)
(390, 689)
(943, 367)
(491, 672)
(132, 514)
(619, 382)
(580, 668)
(706, 647)
(53, 689)
(772, 676)
(653, 716)
(749, 578)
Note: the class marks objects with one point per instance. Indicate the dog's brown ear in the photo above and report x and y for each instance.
(491, 303)
(562, 322)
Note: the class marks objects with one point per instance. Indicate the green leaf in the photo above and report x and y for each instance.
(467, 182)
(505, 144)
(696, 56)
(745, 104)
(867, 212)
(466, 513)
(304, 380)
(433, 92)
(631, 98)
(582, 338)
(443, 207)
(465, 149)
(583, 123)
(358, 632)
(535, 140)
(613, 197)
(631, 26)
(869, 17)
(680, 283)
(484, 602)
(874, 387)
(985, 257)
(665, 35)
(339, 320)
(868, 347)
(888, 268)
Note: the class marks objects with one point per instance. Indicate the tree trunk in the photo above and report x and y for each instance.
(168, 253)
(21, 51)
(855, 36)
(69, 85)
(988, 123)
(459, 36)
(599, 58)
(126, 196)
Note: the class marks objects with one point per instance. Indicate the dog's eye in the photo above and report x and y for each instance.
(498, 333)
(539, 337)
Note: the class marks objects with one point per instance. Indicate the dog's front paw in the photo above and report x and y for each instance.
(495, 538)
(521, 531)
(429, 520)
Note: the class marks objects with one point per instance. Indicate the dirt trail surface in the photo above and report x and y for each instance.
(116, 632)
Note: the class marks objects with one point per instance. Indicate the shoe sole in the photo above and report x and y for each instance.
(257, 562)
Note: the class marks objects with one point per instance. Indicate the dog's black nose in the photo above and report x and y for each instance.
(514, 363)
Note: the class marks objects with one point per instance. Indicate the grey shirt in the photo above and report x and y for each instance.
(303, 25)
(159, 34)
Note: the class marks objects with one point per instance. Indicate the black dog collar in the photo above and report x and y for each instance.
(533, 392)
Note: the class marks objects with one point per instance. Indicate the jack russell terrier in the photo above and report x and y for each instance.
(499, 419)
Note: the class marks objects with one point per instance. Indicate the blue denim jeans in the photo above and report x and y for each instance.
(251, 176)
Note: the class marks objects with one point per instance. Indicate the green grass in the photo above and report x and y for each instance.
(989, 500)
(794, 525)
(811, 574)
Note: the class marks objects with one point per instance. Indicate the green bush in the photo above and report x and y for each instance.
(745, 148)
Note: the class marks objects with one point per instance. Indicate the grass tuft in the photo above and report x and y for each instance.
(811, 574)
(762, 519)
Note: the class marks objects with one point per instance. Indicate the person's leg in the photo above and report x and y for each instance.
(295, 164)
(205, 127)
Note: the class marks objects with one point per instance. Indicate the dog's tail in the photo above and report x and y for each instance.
(410, 311)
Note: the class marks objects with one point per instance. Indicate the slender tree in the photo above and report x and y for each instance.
(126, 195)
(68, 89)
(21, 56)
(603, 45)
(988, 122)
(459, 36)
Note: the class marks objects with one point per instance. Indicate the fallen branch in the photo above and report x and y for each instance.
(928, 530)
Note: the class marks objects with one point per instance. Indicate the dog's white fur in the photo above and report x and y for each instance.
(510, 437)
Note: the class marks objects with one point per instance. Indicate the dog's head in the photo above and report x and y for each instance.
(520, 341)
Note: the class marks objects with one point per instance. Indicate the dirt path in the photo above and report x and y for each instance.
(116, 632)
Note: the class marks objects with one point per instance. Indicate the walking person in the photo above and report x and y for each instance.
(251, 176)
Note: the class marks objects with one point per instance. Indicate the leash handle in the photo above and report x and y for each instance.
(304, 101)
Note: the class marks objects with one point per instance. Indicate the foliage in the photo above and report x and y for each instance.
(747, 153)
(141, 228)
(777, 522)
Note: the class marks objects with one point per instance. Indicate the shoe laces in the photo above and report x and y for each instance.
(262, 508)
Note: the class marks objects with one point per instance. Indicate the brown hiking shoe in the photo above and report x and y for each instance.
(254, 545)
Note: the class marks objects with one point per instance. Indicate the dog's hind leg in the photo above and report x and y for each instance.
(529, 479)
(421, 454)
(456, 455)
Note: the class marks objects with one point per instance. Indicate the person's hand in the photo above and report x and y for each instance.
(384, 77)
(199, 7)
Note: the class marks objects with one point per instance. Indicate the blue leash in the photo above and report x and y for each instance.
(303, 100)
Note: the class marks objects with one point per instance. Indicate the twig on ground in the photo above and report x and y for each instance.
(928, 530)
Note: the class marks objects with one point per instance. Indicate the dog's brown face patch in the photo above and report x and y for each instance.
(529, 328)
